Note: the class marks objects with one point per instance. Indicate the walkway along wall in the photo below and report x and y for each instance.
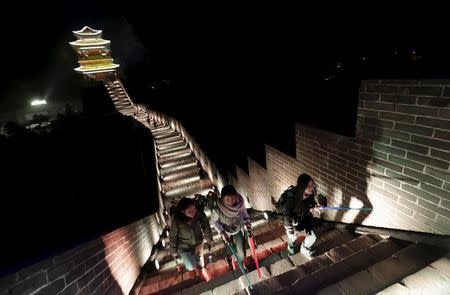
(397, 164)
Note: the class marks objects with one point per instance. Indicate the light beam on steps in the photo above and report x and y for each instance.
(168, 139)
(167, 186)
(162, 133)
(165, 146)
(168, 151)
(159, 126)
(166, 171)
(164, 128)
(189, 189)
(176, 159)
(166, 135)
(173, 163)
(181, 174)
(173, 152)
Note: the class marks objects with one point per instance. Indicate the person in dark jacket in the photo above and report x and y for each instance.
(298, 216)
(231, 220)
(188, 230)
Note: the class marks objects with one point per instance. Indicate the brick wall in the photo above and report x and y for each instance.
(109, 264)
(397, 164)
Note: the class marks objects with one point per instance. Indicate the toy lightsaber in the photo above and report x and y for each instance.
(240, 264)
(251, 242)
(344, 208)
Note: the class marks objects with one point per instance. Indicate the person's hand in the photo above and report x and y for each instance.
(248, 225)
(225, 236)
(174, 254)
(316, 209)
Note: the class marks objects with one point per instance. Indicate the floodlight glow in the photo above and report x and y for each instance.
(36, 102)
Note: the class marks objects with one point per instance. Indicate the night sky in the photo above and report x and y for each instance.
(217, 67)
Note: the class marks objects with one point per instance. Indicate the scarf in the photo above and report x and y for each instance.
(234, 210)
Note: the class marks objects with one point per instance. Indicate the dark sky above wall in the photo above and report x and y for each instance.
(306, 64)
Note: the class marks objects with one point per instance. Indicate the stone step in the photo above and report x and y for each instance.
(352, 257)
(161, 131)
(270, 265)
(389, 271)
(176, 158)
(161, 128)
(186, 173)
(171, 146)
(173, 152)
(167, 135)
(341, 268)
(425, 281)
(218, 270)
(175, 143)
(218, 246)
(177, 162)
(189, 189)
(168, 171)
(176, 136)
(167, 186)
(287, 271)
(164, 134)
(173, 149)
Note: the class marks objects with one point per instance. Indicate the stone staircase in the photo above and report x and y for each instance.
(180, 172)
(345, 263)
(119, 97)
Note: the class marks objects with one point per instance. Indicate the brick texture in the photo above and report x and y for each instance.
(110, 262)
(398, 162)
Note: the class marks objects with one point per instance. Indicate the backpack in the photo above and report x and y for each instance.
(288, 193)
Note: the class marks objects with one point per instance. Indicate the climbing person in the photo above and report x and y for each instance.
(231, 220)
(188, 230)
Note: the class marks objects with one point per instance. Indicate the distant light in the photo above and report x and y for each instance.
(266, 216)
(363, 58)
(36, 102)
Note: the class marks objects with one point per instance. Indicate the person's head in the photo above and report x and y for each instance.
(305, 184)
(186, 208)
(229, 195)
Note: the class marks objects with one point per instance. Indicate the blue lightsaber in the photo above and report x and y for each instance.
(344, 208)
(230, 246)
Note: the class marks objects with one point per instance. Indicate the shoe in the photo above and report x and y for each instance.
(203, 273)
(307, 252)
(236, 266)
(292, 250)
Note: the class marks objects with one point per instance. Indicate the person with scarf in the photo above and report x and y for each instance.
(231, 220)
(188, 230)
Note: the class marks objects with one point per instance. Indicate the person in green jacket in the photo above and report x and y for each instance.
(188, 230)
